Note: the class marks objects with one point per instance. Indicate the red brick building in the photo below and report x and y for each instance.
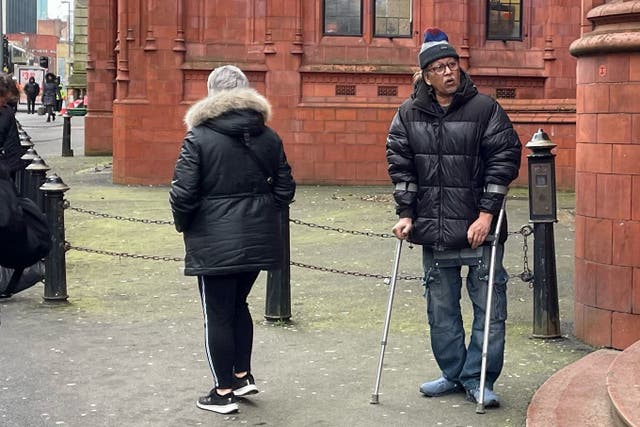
(336, 70)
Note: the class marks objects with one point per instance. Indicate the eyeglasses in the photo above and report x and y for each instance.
(439, 69)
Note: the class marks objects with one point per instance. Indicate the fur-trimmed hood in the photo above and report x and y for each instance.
(222, 102)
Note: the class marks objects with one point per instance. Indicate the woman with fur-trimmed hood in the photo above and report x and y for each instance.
(230, 183)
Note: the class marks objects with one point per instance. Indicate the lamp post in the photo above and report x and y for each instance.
(68, 64)
(542, 213)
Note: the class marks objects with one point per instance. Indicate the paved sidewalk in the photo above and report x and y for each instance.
(127, 348)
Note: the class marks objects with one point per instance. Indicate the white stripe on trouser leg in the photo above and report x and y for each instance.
(203, 299)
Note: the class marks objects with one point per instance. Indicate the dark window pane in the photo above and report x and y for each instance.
(392, 18)
(504, 19)
(343, 17)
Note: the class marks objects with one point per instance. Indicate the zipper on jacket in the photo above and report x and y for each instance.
(439, 139)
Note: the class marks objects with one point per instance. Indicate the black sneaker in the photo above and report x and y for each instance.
(221, 404)
(244, 386)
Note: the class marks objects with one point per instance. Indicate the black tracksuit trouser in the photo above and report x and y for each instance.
(228, 327)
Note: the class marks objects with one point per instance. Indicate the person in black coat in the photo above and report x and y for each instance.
(452, 153)
(10, 148)
(230, 184)
(50, 94)
(31, 90)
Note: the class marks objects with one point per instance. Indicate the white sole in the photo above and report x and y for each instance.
(246, 390)
(220, 409)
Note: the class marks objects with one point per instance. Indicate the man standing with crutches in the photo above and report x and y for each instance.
(452, 153)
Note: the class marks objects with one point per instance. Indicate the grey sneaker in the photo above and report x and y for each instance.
(440, 387)
(491, 400)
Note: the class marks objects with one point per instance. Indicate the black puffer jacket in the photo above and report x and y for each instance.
(219, 197)
(452, 156)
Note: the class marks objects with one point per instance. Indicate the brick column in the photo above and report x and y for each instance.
(607, 222)
(100, 69)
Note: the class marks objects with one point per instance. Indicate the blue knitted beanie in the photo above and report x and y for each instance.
(435, 46)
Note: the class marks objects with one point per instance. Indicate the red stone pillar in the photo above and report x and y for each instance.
(148, 108)
(607, 222)
(100, 76)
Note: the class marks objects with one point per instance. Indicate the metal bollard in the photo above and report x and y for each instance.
(22, 178)
(278, 302)
(542, 212)
(26, 144)
(55, 279)
(37, 175)
(66, 137)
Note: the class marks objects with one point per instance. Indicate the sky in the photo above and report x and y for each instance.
(58, 10)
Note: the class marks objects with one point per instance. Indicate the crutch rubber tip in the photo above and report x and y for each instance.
(480, 408)
(374, 399)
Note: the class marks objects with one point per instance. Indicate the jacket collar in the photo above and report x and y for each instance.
(222, 102)
(424, 99)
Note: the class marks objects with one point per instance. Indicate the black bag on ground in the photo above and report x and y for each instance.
(25, 237)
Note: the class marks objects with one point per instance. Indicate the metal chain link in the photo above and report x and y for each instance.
(352, 273)
(67, 205)
(69, 246)
(342, 230)
(526, 275)
(121, 254)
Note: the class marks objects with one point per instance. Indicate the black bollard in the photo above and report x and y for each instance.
(37, 174)
(22, 178)
(26, 144)
(278, 303)
(542, 212)
(66, 137)
(55, 280)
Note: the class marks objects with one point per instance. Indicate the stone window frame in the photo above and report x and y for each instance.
(335, 11)
(504, 19)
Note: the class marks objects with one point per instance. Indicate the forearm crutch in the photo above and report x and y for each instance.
(487, 313)
(385, 333)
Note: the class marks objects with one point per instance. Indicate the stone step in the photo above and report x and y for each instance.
(575, 395)
(623, 385)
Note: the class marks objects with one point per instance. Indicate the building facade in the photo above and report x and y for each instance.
(334, 70)
(77, 84)
(19, 16)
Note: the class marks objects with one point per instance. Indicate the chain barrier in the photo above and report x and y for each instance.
(352, 273)
(67, 205)
(526, 230)
(342, 230)
(69, 246)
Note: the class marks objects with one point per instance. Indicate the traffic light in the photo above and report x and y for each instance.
(44, 61)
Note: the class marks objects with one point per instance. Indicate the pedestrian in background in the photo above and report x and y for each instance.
(10, 148)
(452, 153)
(50, 93)
(230, 184)
(31, 90)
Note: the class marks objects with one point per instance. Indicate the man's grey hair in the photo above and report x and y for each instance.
(225, 78)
